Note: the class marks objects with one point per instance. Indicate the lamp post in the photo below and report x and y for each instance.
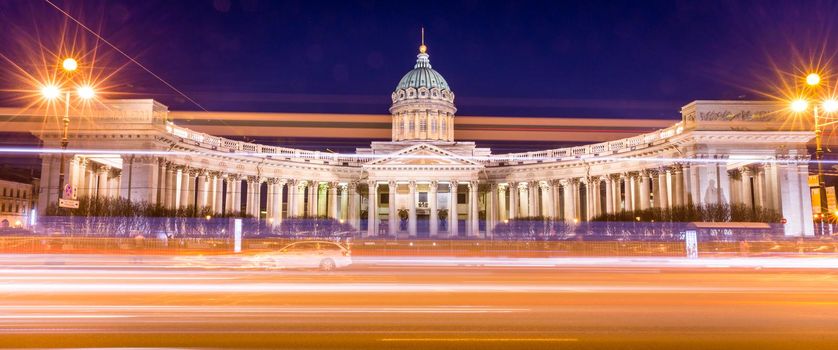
(51, 92)
(829, 106)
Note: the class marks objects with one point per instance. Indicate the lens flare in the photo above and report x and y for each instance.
(86, 92)
(799, 105)
(50, 92)
(813, 79)
(70, 64)
(830, 106)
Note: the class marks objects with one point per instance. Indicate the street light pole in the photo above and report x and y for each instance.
(819, 158)
(64, 142)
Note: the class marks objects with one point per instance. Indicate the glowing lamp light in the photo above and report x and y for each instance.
(86, 92)
(830, 106)
(799, 105)
(209, 217)
(50, 92)
(813, 79)
(69, 64)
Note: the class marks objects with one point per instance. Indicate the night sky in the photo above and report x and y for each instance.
(632, 59)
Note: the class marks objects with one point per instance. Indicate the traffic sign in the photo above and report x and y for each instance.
(68, 203)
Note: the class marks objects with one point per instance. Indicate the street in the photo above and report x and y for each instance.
(82, 301)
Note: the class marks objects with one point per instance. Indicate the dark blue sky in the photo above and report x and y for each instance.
(634, 59)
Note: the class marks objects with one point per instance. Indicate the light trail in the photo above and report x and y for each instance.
(496, 158)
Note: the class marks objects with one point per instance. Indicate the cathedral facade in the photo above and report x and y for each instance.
(721, 152)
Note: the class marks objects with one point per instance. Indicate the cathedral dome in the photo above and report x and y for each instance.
(423, 75)
(423, 83)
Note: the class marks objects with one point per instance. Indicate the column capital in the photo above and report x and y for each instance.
(411, 184)
(434, 185)
(372, 183)
(502, 186)
(391, 184)
(333, 184)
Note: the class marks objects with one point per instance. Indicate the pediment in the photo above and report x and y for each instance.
(423, 155)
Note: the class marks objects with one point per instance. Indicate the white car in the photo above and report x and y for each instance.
(324, 255)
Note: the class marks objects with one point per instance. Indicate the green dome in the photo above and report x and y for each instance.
(423, 75)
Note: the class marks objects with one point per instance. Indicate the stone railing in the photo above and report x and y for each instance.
(241, 148)
(577, 152)
(553, 155)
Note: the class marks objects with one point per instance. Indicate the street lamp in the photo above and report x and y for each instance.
(52, 92)
(822, 117)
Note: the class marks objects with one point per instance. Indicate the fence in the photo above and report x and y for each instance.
(519, 230)
(461, 248)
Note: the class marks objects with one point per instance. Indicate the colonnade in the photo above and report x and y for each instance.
(452, 208)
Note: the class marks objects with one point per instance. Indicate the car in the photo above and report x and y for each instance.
(325, 255)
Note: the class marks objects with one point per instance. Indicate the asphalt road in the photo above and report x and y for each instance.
(99, 303)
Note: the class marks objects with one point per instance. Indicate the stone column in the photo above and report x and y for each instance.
(619, 203)
(746, 195)
(411, 206)
(503, 213)
(609, 195)
(276, 208)
(248, 199)
(313, 188)
(453, 226)
(392, 214)
(679, 192)
(218, 194)
(807, 220)
(228, 196)
(343, 202)
(269, 202)
(544, 205)
(354, 204)
(162, 182)
(570, 198)
(492, 199)
(171, 186)
(184, 187)
(532, 198)
(662, 197)
(644, 190)
(333, 200)
(433, 226)
(201, 190)
(513, 200)
(474, 211)
(190, 196)
(372, 209)
(237, 194)
(293, 197)
(102, 183)
(257, 198)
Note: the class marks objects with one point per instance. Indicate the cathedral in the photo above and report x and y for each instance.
(424, 182)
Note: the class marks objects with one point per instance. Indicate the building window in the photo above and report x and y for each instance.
(461, 198)
(433, 125)
(423, 125)
(444, 125)
(384, 198)
(412, 125)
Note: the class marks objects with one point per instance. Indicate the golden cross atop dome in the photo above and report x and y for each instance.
(423, 48)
